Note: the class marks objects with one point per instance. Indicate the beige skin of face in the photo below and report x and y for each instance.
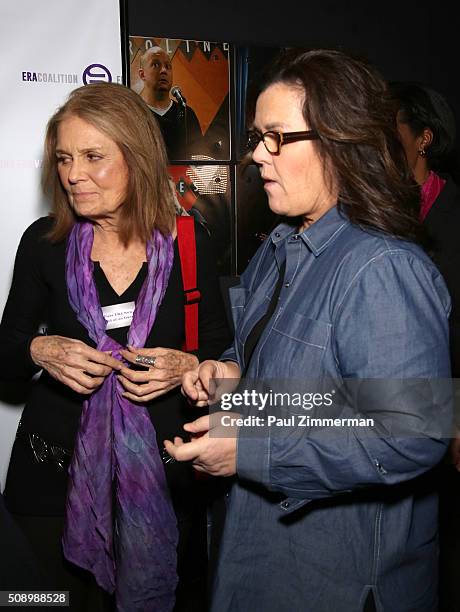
(92, 171)
(94, 174)
(294, 180)
(157, 75)
(413, 145)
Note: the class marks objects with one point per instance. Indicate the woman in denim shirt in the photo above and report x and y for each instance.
(336, 514)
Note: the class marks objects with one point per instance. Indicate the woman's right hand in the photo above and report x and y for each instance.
(72, 362)
(197, 386)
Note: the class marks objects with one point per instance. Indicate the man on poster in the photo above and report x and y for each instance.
(178, 122)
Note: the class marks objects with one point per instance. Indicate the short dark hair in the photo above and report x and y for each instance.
(422, 107)
(347, 102)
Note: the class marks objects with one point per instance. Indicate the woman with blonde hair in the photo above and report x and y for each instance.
(103, 272)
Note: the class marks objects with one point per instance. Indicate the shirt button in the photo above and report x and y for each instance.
(296, 237)
(285, 505)
(287, 284)
(277, 234)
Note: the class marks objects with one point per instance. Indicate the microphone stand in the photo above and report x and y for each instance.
(182, 116)
(186, 132)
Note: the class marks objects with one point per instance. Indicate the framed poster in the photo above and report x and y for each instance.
(186, 84)
(199, 91)
(205, 192)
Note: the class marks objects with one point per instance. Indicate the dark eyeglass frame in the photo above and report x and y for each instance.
(282, 138)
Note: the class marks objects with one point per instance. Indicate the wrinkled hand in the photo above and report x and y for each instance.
(72, 362)
(197, 384)
(212, 448)
(146, 385)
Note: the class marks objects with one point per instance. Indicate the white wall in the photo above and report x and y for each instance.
(53, 41)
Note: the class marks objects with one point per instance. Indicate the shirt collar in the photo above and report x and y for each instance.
(319, 235)
(160, 111)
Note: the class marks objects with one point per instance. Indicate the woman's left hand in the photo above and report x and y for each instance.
(157, 379)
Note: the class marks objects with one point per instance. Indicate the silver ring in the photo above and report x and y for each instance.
(144, 360)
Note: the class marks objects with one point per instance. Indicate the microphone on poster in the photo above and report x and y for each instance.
(178, 96)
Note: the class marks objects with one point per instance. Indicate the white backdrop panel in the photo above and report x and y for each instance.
(45, 49)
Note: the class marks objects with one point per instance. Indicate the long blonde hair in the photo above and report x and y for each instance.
(123, 116)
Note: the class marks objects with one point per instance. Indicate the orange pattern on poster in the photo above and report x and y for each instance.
(203, 81)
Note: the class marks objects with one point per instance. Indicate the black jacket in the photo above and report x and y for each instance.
(443, 225)
(181, 132)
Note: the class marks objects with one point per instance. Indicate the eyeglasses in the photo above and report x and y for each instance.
(273, 141)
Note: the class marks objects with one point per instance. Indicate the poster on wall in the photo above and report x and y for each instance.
(204, 191)
(186, 84)
(200, 92)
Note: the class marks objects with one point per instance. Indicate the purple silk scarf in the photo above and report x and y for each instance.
(120, 523)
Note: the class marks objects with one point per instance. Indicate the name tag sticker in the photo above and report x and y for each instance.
(118, 315)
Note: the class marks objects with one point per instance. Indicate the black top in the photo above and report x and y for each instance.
(38, 295)
(181, 132)
(443, 225)
(257, 331)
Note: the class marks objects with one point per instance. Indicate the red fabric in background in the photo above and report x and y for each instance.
(431, 188)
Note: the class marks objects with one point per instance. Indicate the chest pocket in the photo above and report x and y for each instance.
(296, 346)
(238, 297)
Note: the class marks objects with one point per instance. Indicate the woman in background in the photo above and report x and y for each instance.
(427, 128)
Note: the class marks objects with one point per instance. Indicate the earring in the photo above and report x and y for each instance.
(422, 152)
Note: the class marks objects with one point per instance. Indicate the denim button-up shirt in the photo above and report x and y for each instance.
(314, 523)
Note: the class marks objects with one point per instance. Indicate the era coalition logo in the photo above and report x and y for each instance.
(95, 73)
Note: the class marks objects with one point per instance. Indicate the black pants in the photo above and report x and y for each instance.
(44, 536)
(18, 566)
(449, 538)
